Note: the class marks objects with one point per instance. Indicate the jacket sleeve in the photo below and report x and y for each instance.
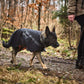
(71, 7)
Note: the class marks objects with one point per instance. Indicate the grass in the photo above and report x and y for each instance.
(63, 51)
(14, 76)
(8, 30)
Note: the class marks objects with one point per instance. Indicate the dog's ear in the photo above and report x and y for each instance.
(53, 30)
(47, 31)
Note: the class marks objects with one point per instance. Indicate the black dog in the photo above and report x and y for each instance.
(32, 40)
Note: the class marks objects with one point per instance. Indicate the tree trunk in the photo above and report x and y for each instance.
(22, 13)
(39, 16)
(25, 20)
(48, 13)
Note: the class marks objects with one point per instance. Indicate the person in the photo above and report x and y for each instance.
(76, 12)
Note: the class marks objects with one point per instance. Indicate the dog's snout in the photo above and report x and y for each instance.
(57, 44)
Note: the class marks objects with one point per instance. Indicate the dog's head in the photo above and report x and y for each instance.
(49, 38)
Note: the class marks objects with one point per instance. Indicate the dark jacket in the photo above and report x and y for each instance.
(75, 7)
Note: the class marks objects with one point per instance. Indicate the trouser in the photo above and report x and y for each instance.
(80, 58)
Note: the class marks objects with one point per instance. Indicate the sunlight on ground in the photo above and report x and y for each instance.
(62, 51)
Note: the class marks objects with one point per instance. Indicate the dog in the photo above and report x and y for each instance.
(32, 40)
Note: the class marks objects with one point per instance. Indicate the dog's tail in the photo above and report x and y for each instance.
(6, 45)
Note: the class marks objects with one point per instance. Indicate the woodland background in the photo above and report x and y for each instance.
(37, 14)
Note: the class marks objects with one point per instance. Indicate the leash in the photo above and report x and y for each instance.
(27, 35)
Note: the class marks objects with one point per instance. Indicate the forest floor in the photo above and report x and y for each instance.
(61, 71)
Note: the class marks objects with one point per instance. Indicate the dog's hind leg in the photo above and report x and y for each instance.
(31, 61)
(38, 54)
(13, 61)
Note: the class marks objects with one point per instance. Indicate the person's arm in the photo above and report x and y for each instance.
(71, 9)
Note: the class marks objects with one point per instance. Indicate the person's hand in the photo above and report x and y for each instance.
(71, 17)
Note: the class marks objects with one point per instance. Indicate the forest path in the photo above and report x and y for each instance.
(63, 68)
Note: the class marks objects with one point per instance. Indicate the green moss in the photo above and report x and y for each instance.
(6, 40)
(6, 33)
(9, 30)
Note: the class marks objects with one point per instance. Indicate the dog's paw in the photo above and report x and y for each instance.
(12, 61)
(30, 63)
(44, 67)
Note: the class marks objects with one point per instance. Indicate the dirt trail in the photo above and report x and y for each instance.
(64, 68)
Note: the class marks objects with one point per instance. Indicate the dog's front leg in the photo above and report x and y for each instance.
(38, 54)
(31, 61)
(13, 61)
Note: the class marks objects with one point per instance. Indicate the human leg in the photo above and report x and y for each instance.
(80, 58)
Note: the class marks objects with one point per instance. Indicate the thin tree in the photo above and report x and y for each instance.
(39, 15)
(2, 16)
